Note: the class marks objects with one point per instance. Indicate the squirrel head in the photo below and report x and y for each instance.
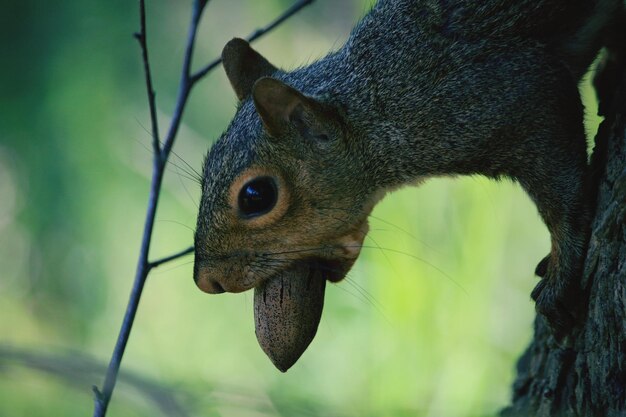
(286, 183)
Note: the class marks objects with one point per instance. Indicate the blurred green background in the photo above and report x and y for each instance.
(429, 323)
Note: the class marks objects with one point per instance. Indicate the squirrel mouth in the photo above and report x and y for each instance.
(288, 308)
(334, 270)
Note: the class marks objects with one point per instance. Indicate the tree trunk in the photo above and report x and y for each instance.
(588, 377)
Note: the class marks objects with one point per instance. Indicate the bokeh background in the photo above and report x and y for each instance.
(430, 321)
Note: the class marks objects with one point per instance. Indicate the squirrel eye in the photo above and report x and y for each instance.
(257, 197)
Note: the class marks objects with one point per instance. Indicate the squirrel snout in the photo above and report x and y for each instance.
(209, 286)
(211, 281)
(205, 281)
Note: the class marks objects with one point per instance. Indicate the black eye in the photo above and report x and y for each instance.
(257, 197)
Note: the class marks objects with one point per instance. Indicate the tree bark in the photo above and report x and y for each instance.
(587, 378)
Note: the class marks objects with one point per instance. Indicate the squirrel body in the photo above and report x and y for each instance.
(421, 88)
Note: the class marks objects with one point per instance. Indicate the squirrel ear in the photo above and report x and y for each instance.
(280, 105)
(244, 66)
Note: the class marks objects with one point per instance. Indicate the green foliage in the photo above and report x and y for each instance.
(429, 323)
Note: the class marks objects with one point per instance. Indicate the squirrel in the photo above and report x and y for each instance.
(421, 88)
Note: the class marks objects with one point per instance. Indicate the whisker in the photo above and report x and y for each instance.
(178, 223)
(191, 172)
(421, 260)
(187, 174)
(355, 295)
(187, 191)
(395, 226)
(384, 254)
(380, 219)
(369, 297)
(190, 168)
(160, 271)
(312, 249)
(362, 291)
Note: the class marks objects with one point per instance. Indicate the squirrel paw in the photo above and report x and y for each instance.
(556, 305)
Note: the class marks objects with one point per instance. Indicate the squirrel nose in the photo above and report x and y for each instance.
(206, 283)
(212, 280)
(210, 286)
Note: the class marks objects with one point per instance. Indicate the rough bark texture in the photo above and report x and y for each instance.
(588, 376)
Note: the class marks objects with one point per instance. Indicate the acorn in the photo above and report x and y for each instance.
(287, 311)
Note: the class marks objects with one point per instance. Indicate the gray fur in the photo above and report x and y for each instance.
(425, 88)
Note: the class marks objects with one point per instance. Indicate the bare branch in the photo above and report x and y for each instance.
(295, 8)
(184, 88)
(142, 38)
(159, 262)
(161, 155)
(102, 398)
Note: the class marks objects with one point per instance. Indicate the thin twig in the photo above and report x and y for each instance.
(102, 398)
(160, 158)
(141, 37)
(295, 8)
(158, 262)
(186, 82)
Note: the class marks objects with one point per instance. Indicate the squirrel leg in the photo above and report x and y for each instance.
(560, 195)
(558, 295)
